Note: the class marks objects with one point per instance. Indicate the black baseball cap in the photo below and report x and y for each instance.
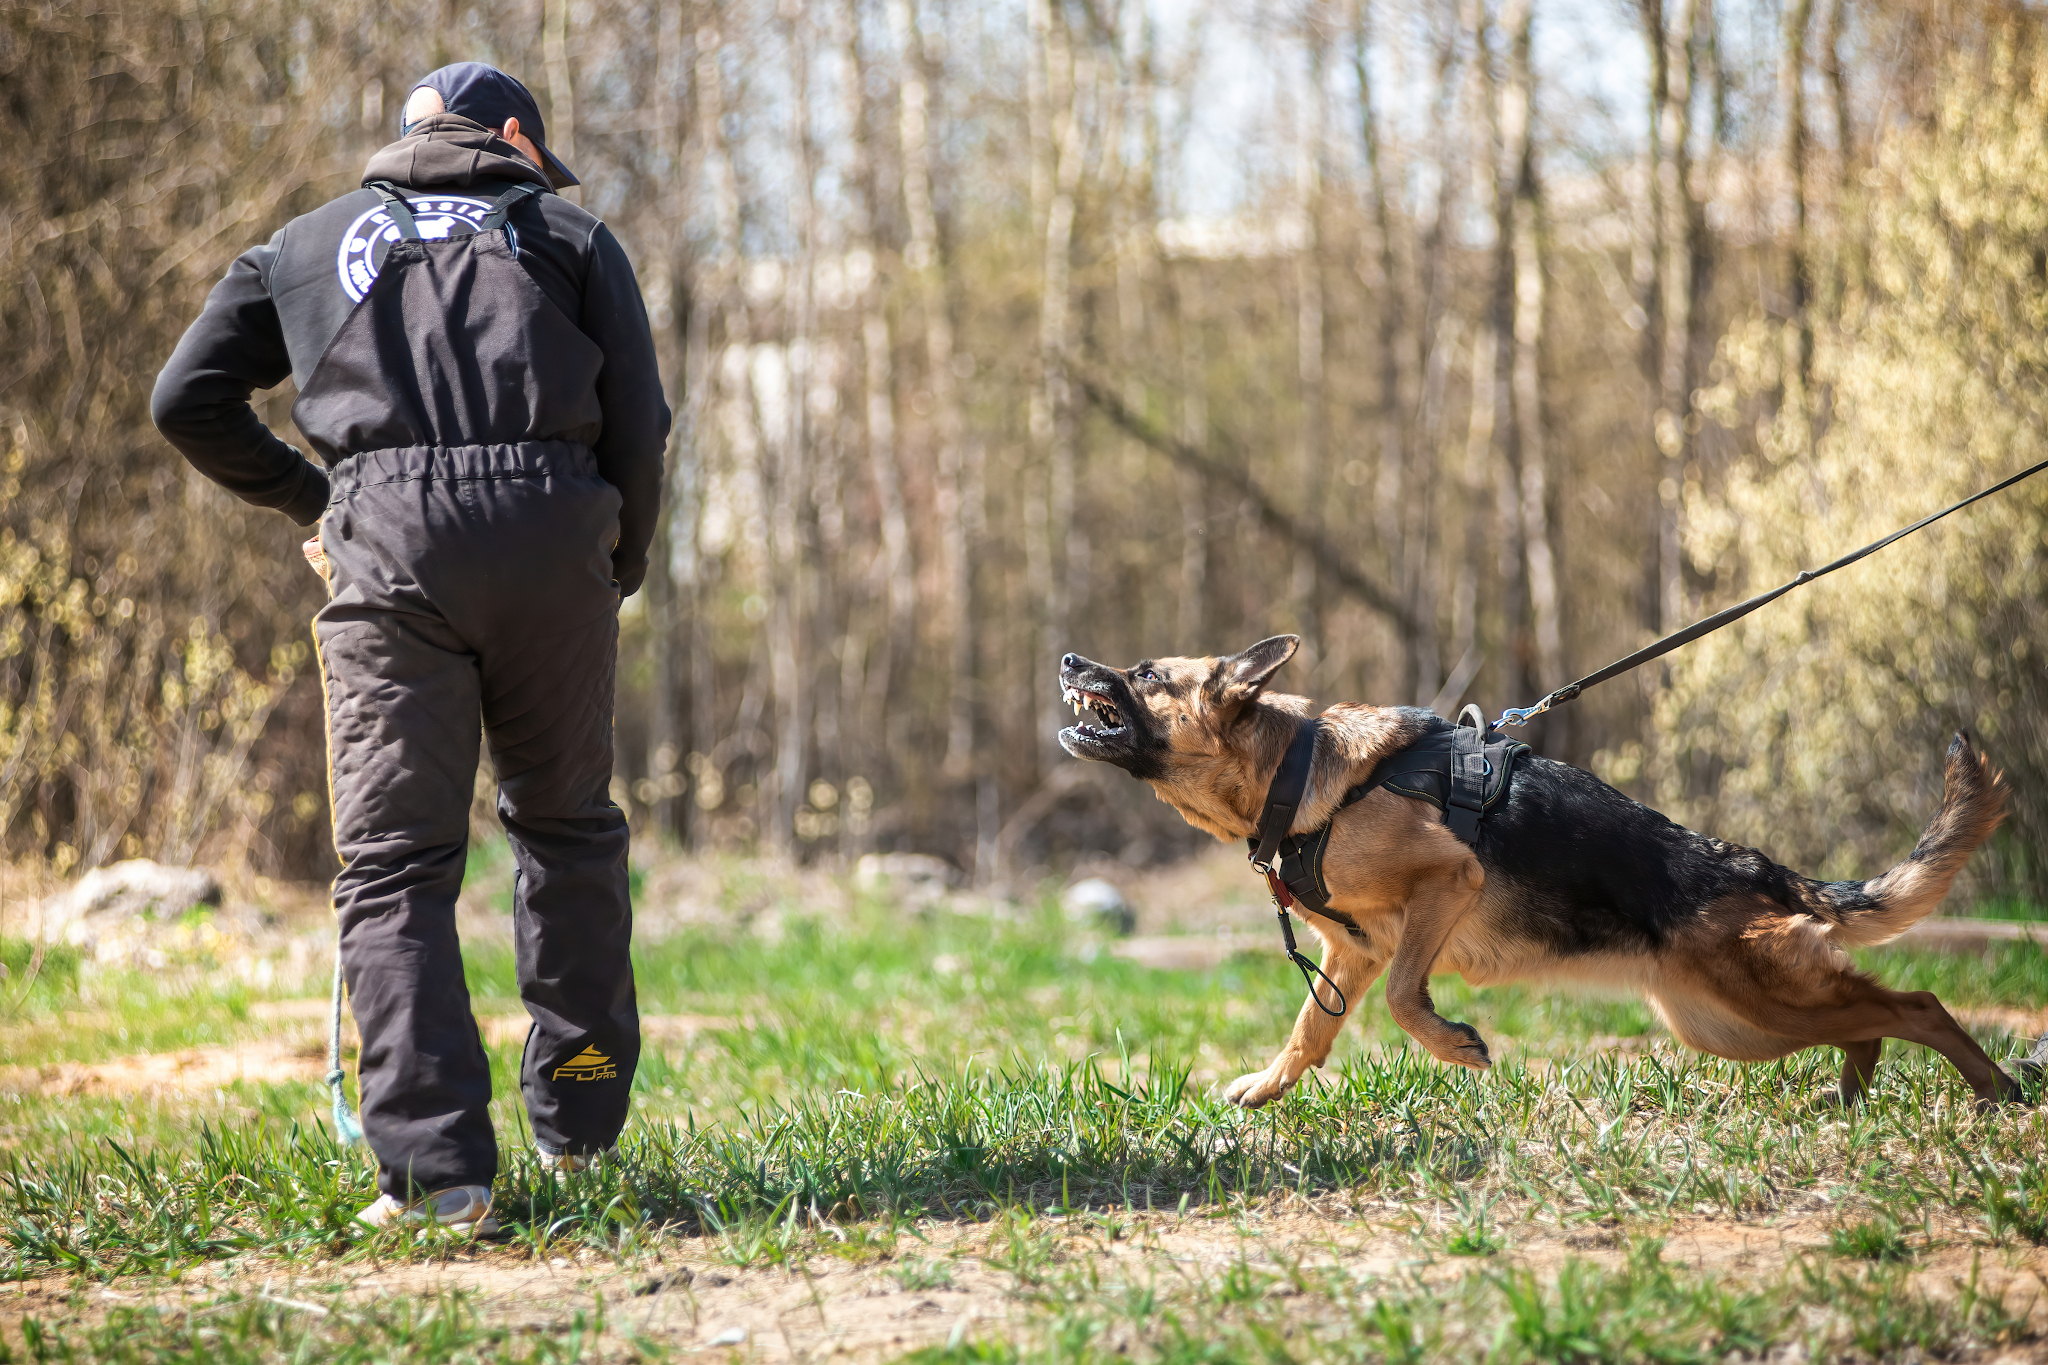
(483, 94)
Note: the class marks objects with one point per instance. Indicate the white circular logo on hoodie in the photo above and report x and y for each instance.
(369, 238)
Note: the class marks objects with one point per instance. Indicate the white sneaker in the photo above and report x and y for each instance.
(465, 1208)
(570, 1163)
(2035, 1064)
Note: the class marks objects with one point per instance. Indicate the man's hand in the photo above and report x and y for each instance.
(316, 555)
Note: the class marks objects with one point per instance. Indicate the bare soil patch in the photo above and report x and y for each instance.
(292, 1055)
(959, 1280)
(198, 1069)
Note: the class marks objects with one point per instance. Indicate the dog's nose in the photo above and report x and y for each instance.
(1070, 661)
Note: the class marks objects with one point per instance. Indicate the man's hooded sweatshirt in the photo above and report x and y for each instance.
(282, 303)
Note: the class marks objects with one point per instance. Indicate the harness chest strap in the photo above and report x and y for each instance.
(1283, 798)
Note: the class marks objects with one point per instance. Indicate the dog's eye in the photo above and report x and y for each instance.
(1148, 676)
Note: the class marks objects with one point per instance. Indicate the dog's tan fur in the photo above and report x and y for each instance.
(1745, 977)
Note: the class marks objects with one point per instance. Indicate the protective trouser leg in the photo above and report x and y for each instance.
(472, 585)
(548, 716)
(403, 698)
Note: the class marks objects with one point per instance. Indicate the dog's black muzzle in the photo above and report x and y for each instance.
(1100, 694)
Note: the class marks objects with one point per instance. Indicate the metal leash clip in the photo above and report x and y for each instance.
(1522, 715)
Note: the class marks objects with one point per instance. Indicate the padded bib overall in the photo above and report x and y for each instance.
(470, 537)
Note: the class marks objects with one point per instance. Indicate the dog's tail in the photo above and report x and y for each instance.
(1879, 910)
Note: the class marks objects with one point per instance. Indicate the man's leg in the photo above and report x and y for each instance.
(403, 706)
(548, 713)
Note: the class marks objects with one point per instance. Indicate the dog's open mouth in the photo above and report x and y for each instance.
(1104, 709)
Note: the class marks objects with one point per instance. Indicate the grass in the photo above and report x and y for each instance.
(239, 1329)
(871, 1087)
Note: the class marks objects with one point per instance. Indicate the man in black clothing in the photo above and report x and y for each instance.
(476, 376)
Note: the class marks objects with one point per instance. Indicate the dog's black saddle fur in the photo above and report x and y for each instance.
(1462, 770)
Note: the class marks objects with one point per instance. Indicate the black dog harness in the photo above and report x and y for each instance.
(1463, 770)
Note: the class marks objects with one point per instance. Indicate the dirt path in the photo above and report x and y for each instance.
(293, 1052)
(952, 1281)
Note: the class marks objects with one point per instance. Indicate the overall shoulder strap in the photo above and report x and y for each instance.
(505, 203)
(1283, 797)
(401, 212)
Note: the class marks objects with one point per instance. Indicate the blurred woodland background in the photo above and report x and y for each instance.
(1476, 340)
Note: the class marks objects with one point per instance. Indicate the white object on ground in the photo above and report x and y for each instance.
(1099, 902)
(101, 909)
(915, 875)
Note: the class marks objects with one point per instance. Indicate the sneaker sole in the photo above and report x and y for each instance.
(486, 1226)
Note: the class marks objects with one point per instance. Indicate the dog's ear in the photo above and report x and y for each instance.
(1241, 677)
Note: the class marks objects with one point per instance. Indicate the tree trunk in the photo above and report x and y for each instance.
(720, 297)
(789, 602)
(1649, 267)
(1681, 236)
(1192, 629)
(1847, 253)
(561, 91)
(955, 623)
(1052, 407)
(1546, 669)
(896, 570)
(1392, 485)
(1422, 570)
(1489, 363)
(1799, 265)
(1311, 339)
(664, 757)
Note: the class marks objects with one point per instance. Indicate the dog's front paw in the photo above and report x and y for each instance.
(1257, 1089)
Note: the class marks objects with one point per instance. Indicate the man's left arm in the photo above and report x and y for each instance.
(636, 417)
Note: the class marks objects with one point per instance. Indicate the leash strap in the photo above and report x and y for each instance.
(347, 1130)
(1309, 970)
(1523, 715)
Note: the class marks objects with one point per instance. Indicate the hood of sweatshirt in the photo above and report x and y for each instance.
(447, 151)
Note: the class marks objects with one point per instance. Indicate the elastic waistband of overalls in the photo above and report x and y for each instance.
(515, 460)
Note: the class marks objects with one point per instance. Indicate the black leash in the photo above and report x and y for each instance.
(1283, 799)
(1523, 715)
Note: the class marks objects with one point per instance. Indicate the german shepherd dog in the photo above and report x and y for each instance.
(1571, 881)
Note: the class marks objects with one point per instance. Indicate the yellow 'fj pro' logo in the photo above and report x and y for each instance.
(587, 1065)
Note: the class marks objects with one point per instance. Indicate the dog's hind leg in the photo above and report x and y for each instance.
(1859, 1067)
(1784, 977)
(1918, 1017)
(1435, 910)
(1354, 970)
(1874, 1013)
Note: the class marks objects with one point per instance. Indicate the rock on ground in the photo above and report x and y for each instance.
(114, 911)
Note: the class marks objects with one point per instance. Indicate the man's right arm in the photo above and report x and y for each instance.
(201, 403)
